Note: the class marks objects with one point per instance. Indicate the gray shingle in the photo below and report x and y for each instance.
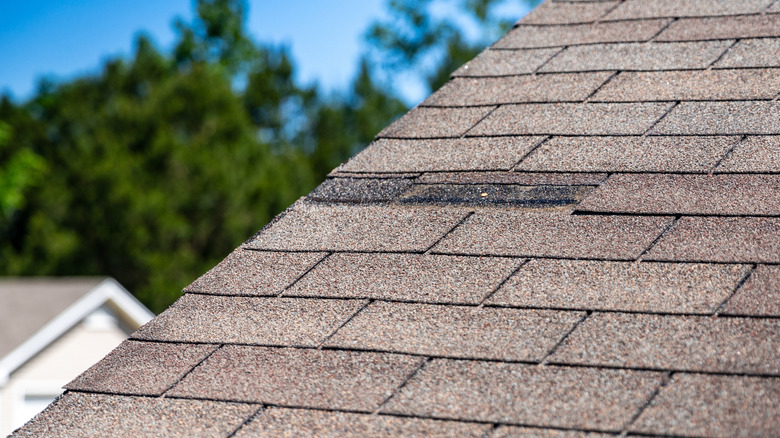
(627, 286)
(495, 195)
(524, 37)
(526, 178)
(360, 189)
(685, 8)
(702, 118)
(527, 432)
(566, 13)
(505, 62)
(759, 296)
(753, 53)
(747, 26)
(755, 154)
(435, 122)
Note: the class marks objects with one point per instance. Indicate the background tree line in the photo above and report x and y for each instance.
(155, 168)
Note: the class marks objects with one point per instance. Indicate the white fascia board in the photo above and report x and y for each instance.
(109, 290)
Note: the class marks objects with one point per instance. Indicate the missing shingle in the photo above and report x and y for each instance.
(512, 195)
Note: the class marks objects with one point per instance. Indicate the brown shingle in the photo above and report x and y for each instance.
(505, 62)
(747, 26)
(390, 155)
(348, 228)
(82, 415)
(245, 272)
(245, 320)
(685, 8)
(526, 178)
(435, 122)
(637, 56)
(701, 405)
(572, 119)
(466, 332)
(741, 84)
(279, 422)
(519, 89)
(141, 368)
(753, 53)
(553, 235)
(704, 118)
(720, 239)
(426, 278)
(755, 154)
(693, 343)
(526, 394)
(566, 13)
(345, 380)
(527, 432)
(759, 296)
(524, 37)
(628, 154)
(627, 286)
(687, 194)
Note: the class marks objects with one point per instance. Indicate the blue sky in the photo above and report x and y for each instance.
(62, 39)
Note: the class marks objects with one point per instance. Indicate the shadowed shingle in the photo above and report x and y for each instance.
(753, 53)
(526, 178)
(435, 122)
(360, 189)
(685, 8)
(523, 37)
(759, 296)
(627, 286)
(245, 320)
(506, 62)
(526, 394)
(702, 118)
(348, 380)
(691, 343)
(466, 332)
(701, 405)
(755, 154)
(748, 26)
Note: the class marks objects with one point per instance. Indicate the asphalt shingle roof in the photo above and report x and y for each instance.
(577, 236)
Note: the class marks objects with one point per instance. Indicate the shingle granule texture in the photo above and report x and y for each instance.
(254, 273)
(568, 13)
(141, 368)
(626, 286)
(755, 154)
(506, 62)
(747, 26)
(390, 155)
(435, 122)
(685, 8)
(524, 37)
(280, 422)
(687, 194)
(359, 189)
(751, 117)
(720, 239)
(759, 296)
(526, 394)
(356, 228)
(628, 154)
(525, 178)
(298, 377)
(466, 332)
(689, 343)
(574, 87)
(79, 415)
(740, 84)
(553, 235)
(752, 53)
(572, 119)
(245, 320)
(491, 195)
(527, 432)
(702, 405)
(406, 277)
(637, 56)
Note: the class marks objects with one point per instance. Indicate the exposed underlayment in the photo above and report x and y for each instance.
(578, 235)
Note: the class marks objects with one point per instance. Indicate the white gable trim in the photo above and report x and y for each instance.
(108, 291)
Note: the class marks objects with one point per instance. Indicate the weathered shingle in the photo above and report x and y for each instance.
(745, 26)
(752, 53)
(759, 296)
(685, 8)
(703, 118)
(755, 154)
(569, 12)
(525, 37)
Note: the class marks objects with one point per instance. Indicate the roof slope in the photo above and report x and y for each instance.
(579, 232)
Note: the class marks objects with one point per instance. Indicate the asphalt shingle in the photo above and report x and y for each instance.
(755, 154)
(701, 405)
(621, 286)
(411, 277)
(357, 228)
(346, 380)
(527, 432)
(546, 234)
(280, 422)
(752, 53)
(572, 119)
(725, 194)
(390, 155)
(628, 154)
(435, 122)
(79, 415)
(689, 343)
(745, 26)
(702, 118)
(465, 332)
(632, 9)
(526, 394)
(141, 368)
(245, 320)
(720, 239)
(245, 272)
(360, 189)
(638, 56)
(526, 37)
(506, 62)
(495, 195)
(759, 296)
(567, 13)
(525, 178)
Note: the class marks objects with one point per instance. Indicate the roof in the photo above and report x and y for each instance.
(35, 311)
(580, 232)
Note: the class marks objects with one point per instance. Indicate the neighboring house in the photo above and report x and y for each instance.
(51, 330)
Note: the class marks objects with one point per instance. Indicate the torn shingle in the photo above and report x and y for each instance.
(519, 177)
(359, 190)
(504, 195)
